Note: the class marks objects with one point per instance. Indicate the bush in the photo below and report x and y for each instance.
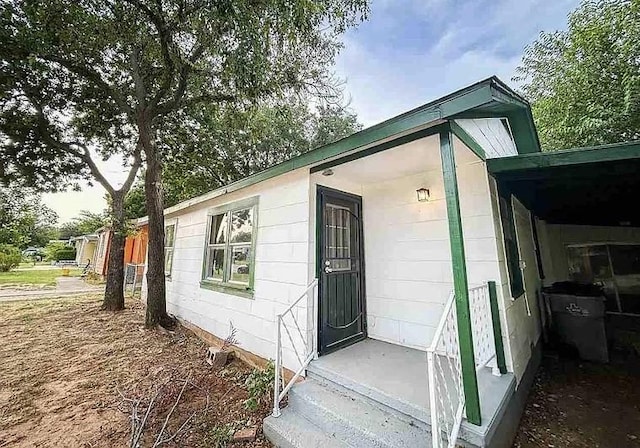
(66, 253)
(259, 384)
(60, 251)
(10, 257)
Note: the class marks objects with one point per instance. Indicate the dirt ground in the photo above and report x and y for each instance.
(64, 364)
(580, 404)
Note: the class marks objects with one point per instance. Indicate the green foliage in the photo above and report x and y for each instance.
(10, 257)
(259, 385)
(120, 70)
(24, 220)
(219, 436)
(68, 253)
(57, 251)
(330, 124)
(87, 223)
(232, 143)
(584, 83)
(113, 75)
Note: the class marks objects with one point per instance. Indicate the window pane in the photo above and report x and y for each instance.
(338, 237)
(218, 229)
(240, 264)
(215, 263)
(168, 261)
(169, 232)
(241, 225)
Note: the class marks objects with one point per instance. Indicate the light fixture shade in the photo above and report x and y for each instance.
(423, 194)
(327, 172)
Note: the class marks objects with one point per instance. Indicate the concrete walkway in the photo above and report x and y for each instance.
(65, 286)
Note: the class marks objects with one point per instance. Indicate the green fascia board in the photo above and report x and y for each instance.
(504, 97)
(568, 157)
(475, 96)
(467, 101)
(524, 131)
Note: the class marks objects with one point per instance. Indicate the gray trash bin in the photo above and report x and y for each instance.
(579, 322)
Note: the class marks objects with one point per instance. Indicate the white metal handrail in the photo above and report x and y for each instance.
(446, 393)
(484, 345)
(308, 343)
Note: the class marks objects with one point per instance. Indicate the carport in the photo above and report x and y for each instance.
(584, 208)
(586, 203)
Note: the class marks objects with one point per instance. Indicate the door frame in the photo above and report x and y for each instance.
(320, 190)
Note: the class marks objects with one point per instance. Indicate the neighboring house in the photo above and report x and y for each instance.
(135, 250)
(85, 246)
(101, 257)
(397, 269)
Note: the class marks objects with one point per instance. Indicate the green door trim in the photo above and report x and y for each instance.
(461, 287)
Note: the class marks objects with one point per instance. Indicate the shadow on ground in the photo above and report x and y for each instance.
(580, 404)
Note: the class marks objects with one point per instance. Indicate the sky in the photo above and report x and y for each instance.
(408, 53)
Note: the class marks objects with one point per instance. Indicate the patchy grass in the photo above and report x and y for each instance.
(47, 277)
(65, 363)
(30, 264)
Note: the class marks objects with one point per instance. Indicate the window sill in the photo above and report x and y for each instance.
(240, 291)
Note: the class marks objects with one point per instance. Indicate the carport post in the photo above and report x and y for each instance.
(460, 284)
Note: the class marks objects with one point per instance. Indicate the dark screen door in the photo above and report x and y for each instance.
(341, 268)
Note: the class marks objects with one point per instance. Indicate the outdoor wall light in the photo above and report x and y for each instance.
(423, 194)
(327, 172)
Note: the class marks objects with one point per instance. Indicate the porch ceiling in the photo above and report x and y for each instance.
(411, 158)
(589, 186)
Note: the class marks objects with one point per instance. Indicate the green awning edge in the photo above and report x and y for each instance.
(566, 157)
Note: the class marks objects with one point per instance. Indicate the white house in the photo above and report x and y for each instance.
(393, 269)
(85, 246)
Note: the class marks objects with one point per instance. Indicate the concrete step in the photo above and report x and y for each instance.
(291, 430)
(354, 420)
(408, 412)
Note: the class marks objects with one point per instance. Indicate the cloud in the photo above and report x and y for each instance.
(406, 56)
(408, 53)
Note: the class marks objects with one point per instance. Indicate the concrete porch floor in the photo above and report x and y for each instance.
(396, 376)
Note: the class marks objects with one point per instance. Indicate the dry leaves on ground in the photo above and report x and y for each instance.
(64, 360)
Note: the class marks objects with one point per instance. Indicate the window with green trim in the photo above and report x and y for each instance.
(230, 246)
(510, 243)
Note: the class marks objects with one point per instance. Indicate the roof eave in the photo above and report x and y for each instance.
(481, 97)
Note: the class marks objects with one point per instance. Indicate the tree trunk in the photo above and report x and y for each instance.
(156, 290)
(114, 290)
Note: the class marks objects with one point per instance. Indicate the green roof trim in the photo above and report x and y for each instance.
(567, 157)
(489, 98)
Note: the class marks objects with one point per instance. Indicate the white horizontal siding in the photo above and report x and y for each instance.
(281, 266)
(407, 258)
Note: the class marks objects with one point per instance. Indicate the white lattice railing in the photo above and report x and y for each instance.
(303, 346)
(484, 344)
(446, 393)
